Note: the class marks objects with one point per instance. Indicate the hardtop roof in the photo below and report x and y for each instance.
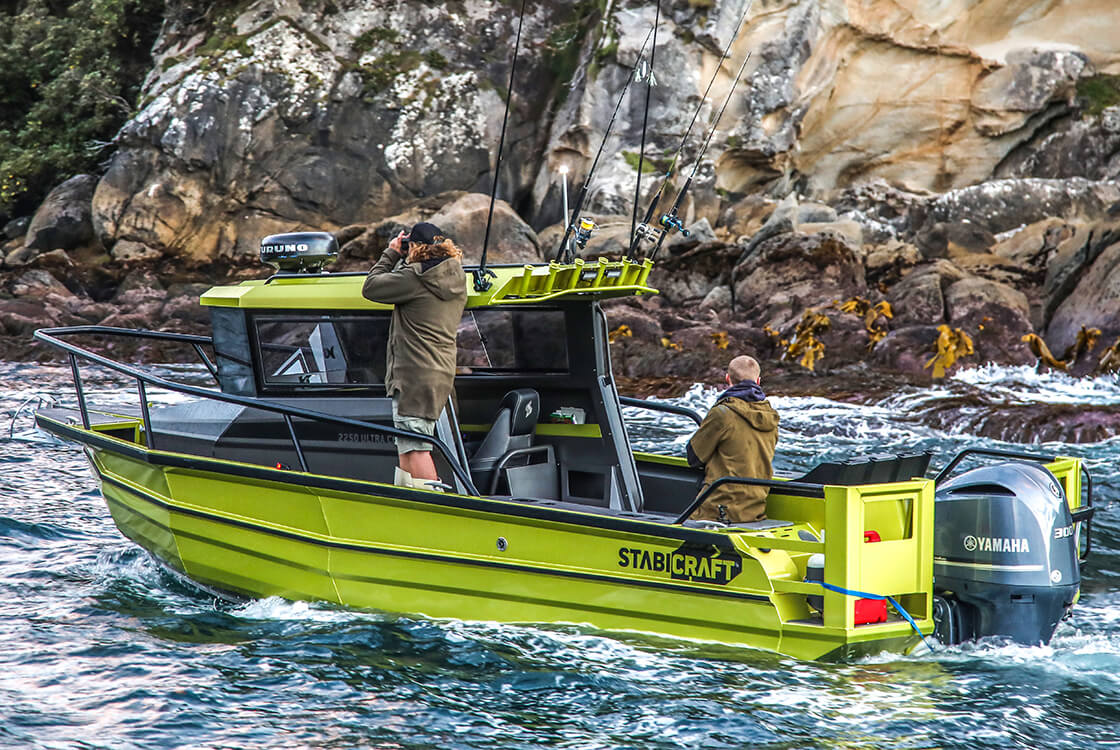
(580, 280)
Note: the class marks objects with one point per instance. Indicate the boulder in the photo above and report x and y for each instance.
(1075, 252)
(21, 317)
(37, 283)
(1094, 302)
(790, 273)
(186, 308)
(16, 228)
(1007, 97)
(919, 298)
(1001, 205)
(130, 250)
(846, 340)
(1087, 147)
(63, 220)
(698, 233)
(906, 349)
(995, 315)
(511, 239)
(641, 324)
(845, 228)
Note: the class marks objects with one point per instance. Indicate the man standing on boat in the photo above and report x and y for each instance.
(736, 439)
(428, 291)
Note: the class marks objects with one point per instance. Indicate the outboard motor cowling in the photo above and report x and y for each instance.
(1005, 554)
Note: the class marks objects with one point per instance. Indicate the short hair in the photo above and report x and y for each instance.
(744, 368)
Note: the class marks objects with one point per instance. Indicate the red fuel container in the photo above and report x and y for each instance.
(870, 610)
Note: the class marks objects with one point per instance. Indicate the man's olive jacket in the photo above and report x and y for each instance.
(736, 439)
(428, 300)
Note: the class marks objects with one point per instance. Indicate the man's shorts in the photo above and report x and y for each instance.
(413, 424)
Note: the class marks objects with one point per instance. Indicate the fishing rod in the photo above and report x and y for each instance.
(645, 122)
(482, 274)
(643, 231)
(585, 227)
(671, 220)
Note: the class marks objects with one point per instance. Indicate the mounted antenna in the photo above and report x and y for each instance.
(564, 185)
(644, 231)
(671, 220)
(482, 275)
(645, 122)
(563, 250)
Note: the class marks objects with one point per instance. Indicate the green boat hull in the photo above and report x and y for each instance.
(260, 532)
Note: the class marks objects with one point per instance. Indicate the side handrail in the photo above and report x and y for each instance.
(48, 335)
(1084, 514)
(683, 411)
(812, 490)
(138, 333)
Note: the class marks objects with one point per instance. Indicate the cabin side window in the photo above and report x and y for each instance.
(309, 351)
(512, 341)
(312, 352)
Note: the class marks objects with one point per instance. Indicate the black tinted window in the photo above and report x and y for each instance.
(320, 350)
(511, 340)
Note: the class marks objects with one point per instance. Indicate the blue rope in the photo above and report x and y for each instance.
(894, 602)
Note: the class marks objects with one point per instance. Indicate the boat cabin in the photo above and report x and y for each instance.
(534, 415)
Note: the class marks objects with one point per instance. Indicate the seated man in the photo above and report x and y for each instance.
(736, 439)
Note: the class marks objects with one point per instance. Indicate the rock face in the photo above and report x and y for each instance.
(322, 116)
(319, 116)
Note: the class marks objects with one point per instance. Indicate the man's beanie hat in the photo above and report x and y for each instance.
(425, 233)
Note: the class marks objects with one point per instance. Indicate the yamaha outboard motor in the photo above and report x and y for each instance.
(1005, 554)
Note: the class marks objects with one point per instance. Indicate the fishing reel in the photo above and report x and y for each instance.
(671, 222)
(646, 233)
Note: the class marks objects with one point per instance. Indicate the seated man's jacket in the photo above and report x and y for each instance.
(736, 439)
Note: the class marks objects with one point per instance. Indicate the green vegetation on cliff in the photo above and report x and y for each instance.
(70, 73)
(1099, 93)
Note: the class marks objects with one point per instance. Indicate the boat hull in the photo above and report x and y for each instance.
(258, 532)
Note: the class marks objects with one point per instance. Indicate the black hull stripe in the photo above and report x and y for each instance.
(427, 556)
(514, 509)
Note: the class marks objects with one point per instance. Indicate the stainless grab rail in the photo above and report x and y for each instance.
(49, 336)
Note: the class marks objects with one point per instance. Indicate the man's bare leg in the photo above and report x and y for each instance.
(420, 465)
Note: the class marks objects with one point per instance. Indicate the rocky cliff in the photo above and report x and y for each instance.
(956, 160)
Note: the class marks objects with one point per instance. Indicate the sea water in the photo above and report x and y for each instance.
(102, 648)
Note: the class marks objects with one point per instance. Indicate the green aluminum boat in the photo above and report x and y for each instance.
(278, 481)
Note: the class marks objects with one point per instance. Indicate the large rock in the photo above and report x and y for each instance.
(919, 299)
(1002, 205)
(1070, 147)
(511, 239)
(1006, 98)
(63, 220)
(1094, 302)
(906, 349)
(318, 116)
(793, 272)
(995, 315)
